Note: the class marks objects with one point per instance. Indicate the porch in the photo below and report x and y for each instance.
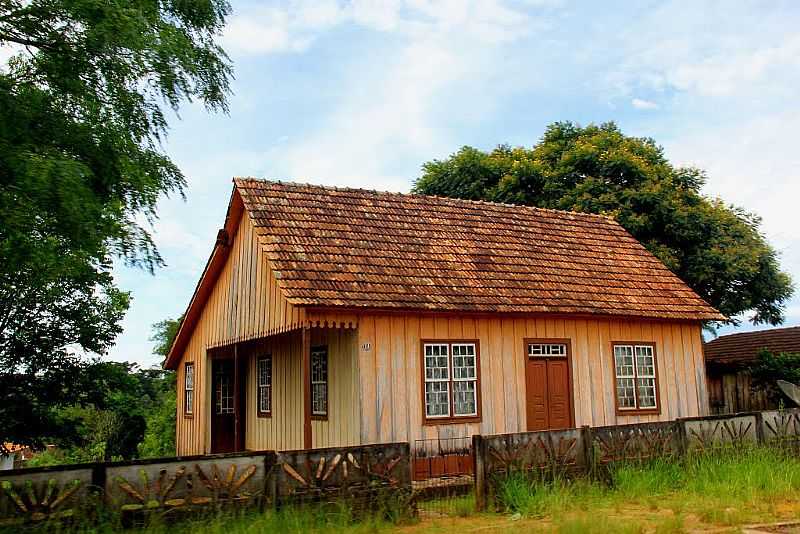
(293, 390)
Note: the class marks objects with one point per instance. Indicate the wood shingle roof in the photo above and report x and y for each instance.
(354, 248)
(745, 346)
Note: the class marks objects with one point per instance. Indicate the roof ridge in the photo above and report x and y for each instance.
(754, 332)
(237, 179)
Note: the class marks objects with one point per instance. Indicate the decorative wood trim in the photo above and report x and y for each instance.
(554, 341)
(636, 411)
(424, 312)
(305, 358)
(452, 419)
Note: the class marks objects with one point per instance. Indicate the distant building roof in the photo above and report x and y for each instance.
(745, 346)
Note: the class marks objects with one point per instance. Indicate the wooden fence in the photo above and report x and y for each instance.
(361, 475)
(587, 451)
(173, 486)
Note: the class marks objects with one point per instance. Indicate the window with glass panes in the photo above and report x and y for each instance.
(319, 381)
(451, 380)
(188, 389)
(265, 385)
(635, 373)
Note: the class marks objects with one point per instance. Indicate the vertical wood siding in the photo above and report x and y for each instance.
(244, 304)
(342, 426)
(391, 383)
(283, 430)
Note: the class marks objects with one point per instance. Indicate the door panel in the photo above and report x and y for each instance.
(223, 407)
(536, 379)
(549, 393)
(559, 393)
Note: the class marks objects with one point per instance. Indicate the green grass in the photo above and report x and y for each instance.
(725, 488)
(287, 521)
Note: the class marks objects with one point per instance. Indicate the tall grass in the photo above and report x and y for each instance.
(722, 487)
(289, 520)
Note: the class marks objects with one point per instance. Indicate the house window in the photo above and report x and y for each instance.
(265, 385)
(636, 381)
(451, 380)
(547, 350)
(188, 389)
(319, 381)
(224, 392)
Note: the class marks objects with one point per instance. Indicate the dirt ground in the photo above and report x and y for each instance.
(782, 517)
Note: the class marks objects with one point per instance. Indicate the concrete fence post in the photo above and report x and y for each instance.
(759, 427)
(588, 450)
(479, 468)
(270, 481)
(683, 438)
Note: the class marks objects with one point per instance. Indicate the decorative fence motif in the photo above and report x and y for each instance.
(44, 494)
(163, 486)
(710, 433)
(175, 485)
(358, 475)
(626, 443)
(591, 450)
(365, 474)
(781, 427)
(546, 454)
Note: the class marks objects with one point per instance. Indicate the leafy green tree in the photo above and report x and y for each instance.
(159, 438)
(82, 117)
(769, 368)
(717, 249)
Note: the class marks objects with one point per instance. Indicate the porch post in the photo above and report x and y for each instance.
(306, 377)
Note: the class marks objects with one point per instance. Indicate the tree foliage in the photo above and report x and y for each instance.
(717, 249)
(82, 117)
(770, 367)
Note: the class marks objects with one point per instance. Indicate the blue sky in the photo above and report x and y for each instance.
(362, 93)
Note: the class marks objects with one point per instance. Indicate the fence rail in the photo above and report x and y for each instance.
(363, 474)
(590, 450)
(171, 486)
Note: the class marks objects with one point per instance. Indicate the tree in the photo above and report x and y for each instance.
(159, 438)
(81, 168)
(769, 368)
(717, 249)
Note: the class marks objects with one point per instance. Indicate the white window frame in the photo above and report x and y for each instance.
(547, 350)
(188, 388)
(635, 347)
(264, 389)
(450, 380)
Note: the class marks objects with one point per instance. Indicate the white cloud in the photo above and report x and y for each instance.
(640, 103)
(392, 112)
(295, 25)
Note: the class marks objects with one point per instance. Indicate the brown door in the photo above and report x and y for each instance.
(223, 406)
(548, 384)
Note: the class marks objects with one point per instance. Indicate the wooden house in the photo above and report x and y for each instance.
(330, 317)
(728, 359)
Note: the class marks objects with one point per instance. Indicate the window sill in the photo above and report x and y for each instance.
(264, 415)
(319, 417)
(188, 416)
(452, 420)
(648, 411)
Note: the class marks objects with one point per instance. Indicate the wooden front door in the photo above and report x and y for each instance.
(548, 384)
(223, 406)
